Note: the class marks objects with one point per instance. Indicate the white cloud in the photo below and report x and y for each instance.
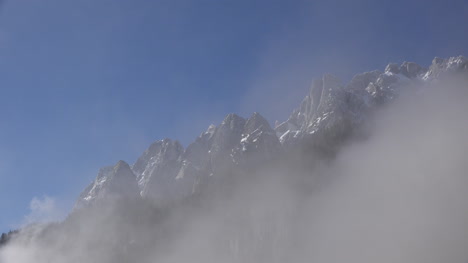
(42, 210)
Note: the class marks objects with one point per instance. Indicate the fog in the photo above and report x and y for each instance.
(397, 196)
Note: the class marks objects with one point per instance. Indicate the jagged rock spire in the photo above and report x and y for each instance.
(112, 182)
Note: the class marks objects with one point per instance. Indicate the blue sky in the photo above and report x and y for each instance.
(86, 83)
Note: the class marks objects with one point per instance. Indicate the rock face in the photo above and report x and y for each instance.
(112, 182)
(258, 143)
(332, 111)
(329, 114)
(442, 66)
(156, 167)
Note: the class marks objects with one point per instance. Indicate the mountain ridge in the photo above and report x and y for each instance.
(330, 113)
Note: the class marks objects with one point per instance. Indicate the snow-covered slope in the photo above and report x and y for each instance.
(328, 115)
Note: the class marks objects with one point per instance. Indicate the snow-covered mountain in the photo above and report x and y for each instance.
(330, 114)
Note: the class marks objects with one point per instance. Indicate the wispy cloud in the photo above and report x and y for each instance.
(42, 210)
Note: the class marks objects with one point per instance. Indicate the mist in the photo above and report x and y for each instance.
(398, 195)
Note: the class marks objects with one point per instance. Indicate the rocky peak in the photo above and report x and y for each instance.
(122, 168)
(437, 61)
(112, 182)
(361, 81)
(410, 69)
(256, 121)
(228, 134)
(258, 143)
(392, 68)
(442, 66)
(325, 98)
(158, 163)
(208, 134)
(331, 90)
(196, 158)
(123, 180)
(232, 122)
(163, 149)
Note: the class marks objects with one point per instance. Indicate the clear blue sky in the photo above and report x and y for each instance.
(85, 83)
